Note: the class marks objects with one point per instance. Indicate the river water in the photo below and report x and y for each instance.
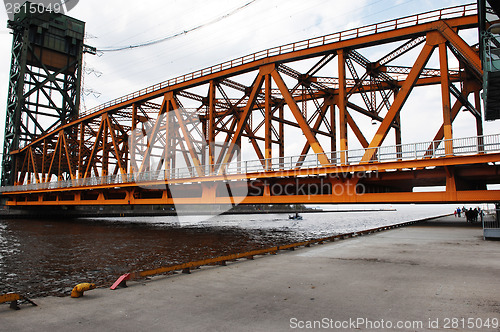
(48, 257)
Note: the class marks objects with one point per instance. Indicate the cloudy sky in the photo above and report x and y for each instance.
(259, 25)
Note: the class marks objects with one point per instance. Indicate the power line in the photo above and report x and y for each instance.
(185, 32)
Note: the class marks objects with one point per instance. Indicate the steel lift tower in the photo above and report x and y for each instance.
(45, 76)
(489, 32)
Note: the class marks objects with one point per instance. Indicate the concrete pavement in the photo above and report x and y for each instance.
(432, 273)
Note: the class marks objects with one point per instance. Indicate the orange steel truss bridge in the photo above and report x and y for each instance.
(272, 127)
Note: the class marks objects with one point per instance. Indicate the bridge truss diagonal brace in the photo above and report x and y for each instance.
(242, 122)
(210, 137)
(90, 159)
(185, 132)
(27, 164)
(301, 121)
(328, 104)
(68, 156)
(117, 153)
(468, 54)
(33, 164)
(52, 160)
(150, 142)
(468, 88)
(357, 131)
(399, 101)
(440, 133)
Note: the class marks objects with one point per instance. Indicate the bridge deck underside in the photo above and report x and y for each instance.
(458, 181)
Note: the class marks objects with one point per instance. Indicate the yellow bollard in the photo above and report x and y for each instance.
(80, 288)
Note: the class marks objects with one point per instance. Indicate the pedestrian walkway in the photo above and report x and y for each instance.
(430, 273)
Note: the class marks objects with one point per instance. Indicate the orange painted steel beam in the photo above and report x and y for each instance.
(399, 101)
(185, 134)
(115, 148)
(453, 114)
(94, 150)
(315, 127)
(478, 196)
(445, 96)
(246, 112)
(342, 106)
(311, 138)
(356, 130)
(211, 127)
(268, 154)
(153, 135)
(472, 58)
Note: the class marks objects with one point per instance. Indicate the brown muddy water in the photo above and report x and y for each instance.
(48, 257)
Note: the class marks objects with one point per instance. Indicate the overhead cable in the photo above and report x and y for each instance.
(185, 32)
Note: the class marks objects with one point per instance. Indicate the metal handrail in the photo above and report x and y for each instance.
(404, 22)
(413, 151)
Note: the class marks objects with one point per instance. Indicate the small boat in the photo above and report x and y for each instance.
(295, 217)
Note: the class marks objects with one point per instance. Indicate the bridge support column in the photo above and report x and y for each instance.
(342, 104)
(211, 128)
(132, 142)
(267, 193)
(333, 138)
(343, 190)
(268, 152)
(281, 139)
(445, 95)
(451, 185)
(106, 131)
(209, 192)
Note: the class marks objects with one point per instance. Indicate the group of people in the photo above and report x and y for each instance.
(471, 215)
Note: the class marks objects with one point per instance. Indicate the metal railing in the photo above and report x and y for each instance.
(415, 151)
(491, 223)
(404, 22)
